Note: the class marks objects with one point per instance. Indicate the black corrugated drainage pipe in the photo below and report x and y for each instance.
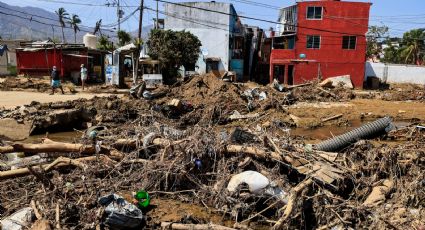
(366, 131)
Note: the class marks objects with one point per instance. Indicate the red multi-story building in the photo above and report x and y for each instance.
(320, 39)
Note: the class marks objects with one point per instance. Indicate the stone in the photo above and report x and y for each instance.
(11, 129)
(332, 82)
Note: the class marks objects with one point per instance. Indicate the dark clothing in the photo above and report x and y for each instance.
(55, 75)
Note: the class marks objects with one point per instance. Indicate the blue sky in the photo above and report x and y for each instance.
(398, 15)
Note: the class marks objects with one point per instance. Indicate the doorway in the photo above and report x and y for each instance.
(290, 77)
(279, 73)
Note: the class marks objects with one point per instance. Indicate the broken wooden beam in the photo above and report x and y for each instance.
(332, 118)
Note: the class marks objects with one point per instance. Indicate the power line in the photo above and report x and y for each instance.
(40, 22)
(185, 19)
(47, 18)
(81, 4)
(122, 20)
(253, 3)
(255, 19)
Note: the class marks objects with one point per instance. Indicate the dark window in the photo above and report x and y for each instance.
(314, 12)
(313, 42)
(287, 42)
(349, 42)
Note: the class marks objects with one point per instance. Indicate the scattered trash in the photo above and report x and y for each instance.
(20, 220)
(143, 199)
(237, 116)
(277, 86)
(148, 95)
(332, 82)
(119, 213)
(255, 180)
(257, 184)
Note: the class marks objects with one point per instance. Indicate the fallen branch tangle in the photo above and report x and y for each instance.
(317, 167)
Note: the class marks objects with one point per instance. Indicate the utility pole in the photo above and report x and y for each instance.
(119, 14)
(139, 36)
(139, 41)
(157, 23)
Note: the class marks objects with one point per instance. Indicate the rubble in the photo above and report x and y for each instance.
(186, 162)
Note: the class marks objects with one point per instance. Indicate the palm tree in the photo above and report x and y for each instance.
(75, 20)
(123, 37)
(104, 43)
(63, 18)
(97, 27)
(413, 46)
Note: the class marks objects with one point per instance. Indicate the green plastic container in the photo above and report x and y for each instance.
(143, 199)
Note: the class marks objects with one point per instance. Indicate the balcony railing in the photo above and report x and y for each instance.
(288, 20)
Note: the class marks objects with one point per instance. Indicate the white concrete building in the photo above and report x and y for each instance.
(221, 34)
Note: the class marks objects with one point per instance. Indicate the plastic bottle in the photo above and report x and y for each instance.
(143, 199)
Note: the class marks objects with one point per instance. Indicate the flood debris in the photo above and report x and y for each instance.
(369, 130)
(119, 213)
(339, 81)
(194, 161)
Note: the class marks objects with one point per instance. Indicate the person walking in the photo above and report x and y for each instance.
(55, 80)
(83, 75)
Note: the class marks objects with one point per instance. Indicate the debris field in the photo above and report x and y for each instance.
(212, 155)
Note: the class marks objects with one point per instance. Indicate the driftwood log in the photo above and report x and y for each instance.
(49, 146)
(177, 226)
(59, 162)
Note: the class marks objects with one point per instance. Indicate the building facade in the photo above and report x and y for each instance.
(38, 59)
(8, 57)
(221, 34)
(320, 39)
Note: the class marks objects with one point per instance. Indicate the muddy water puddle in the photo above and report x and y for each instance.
(70, 137)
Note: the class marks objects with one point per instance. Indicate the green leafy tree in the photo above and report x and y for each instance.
(97, 27)
(104, 43)
(413, 47)
(74, 22)
(391, 54)
(63, 18)
(374, 36)
(173, 49)
(123, 38)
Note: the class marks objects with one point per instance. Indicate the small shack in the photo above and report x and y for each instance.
(38, 59)
(151, 72)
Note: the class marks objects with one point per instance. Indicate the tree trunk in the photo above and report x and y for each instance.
(75, 37)
(63, 35)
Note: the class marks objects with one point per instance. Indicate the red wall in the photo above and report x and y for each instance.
(38, 62)
(339, 18)
(41, 62)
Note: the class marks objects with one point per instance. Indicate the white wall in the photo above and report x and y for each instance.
(215, 42)
(394, 73)
(212, 29)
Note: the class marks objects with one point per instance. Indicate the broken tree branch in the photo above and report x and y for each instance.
(59, 162)
(292, 200)
(332, 118)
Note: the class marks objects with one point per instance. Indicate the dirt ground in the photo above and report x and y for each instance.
(358, 108)
(11, 99)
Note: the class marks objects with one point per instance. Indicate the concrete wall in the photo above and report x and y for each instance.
(212, 29)
(9, 57)
(393, 73)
